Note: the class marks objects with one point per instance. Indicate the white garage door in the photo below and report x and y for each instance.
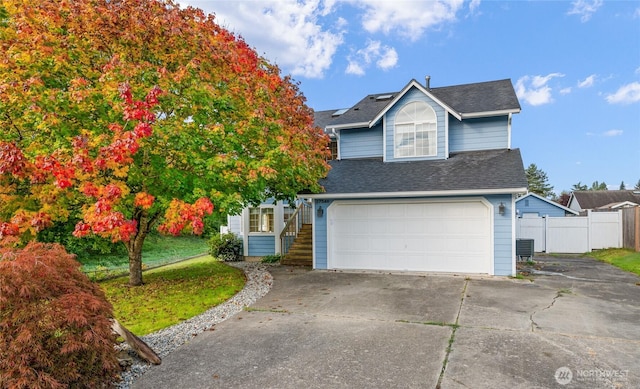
(438, 236)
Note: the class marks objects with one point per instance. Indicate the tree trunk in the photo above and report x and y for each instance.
(135, 263)
(134, 245)
(141, 348)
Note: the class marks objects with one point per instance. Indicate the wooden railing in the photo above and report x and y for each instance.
(301, 216)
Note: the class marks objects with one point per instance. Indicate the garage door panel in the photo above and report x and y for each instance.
(421, 236)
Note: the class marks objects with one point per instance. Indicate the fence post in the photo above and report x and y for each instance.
(621, 231)
(544, 235)
(637, 229)
(589, 230)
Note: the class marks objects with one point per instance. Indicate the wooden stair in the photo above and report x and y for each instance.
(301, 251)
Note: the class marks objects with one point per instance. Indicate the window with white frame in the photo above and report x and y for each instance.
(260, 219)
(415, 131)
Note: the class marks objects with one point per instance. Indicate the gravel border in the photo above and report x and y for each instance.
(163, 342)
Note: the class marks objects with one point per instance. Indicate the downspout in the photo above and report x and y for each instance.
(446, 135)
(509, 132)
(337, 135)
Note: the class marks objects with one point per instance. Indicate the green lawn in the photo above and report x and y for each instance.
(157, 250)
(172, 293)
(625, 259)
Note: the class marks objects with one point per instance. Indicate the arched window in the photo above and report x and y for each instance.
(415, 131)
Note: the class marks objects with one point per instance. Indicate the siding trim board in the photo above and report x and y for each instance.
(475, 115)
(349, 126)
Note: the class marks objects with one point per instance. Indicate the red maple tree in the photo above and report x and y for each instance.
(137, 114)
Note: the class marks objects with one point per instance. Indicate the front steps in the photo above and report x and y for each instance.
(301, 251)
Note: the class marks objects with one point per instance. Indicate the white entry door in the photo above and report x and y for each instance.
(434, 236)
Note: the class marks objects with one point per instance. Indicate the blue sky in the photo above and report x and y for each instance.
(575, 65)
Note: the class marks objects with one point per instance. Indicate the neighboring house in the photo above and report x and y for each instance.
(423, 179)
(534, 204)
(582, 200)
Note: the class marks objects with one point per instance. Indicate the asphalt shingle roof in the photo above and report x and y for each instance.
(491, 169)
(592, 199)
(479, 97)
(489, 96)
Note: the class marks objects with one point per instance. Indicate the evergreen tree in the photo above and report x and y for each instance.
(538, 181)
(579, 186)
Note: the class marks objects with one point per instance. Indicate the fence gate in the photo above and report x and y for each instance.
(568, 234)
(533, 228)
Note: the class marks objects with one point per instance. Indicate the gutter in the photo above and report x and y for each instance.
(436, 193)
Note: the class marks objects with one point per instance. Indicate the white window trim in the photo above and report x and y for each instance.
(415, 124)
(274, 221)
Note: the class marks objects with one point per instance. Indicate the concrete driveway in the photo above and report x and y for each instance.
(576, 324)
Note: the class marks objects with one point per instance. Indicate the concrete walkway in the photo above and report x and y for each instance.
(575, 325)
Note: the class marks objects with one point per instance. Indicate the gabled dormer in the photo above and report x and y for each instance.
(423, 123)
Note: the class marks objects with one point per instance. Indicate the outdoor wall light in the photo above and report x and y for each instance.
(501, 209)
(320, 212)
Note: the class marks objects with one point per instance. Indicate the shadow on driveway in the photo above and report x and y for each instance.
(576, 325)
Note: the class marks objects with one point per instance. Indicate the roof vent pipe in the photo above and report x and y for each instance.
(427, 80)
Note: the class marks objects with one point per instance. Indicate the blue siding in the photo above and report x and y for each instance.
(320, 233)
(361, 142)
(262, 245)
(478, 134)
(531, 204)
(414, 95)
(502, 235)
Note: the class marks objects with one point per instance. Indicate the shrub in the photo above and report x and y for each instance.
(54, 323)
(271, 258)
(226, 247)
(85, 248)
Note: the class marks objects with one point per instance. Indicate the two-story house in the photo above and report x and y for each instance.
(423, 179)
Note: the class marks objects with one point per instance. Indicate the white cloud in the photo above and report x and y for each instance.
(354, 68)
(535, 90)
(473, 6)
(388, 59)
(406, 17)
(626, 94)
(303, 36)
(287, 32)
(584, 8)
(609, 133)
(385, 58)
(565, 91)
(612, 133)
(587, 82)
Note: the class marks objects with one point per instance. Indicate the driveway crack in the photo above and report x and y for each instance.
(559, 294)
(454, 328)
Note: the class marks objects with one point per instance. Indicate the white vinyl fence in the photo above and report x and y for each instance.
(572, 234)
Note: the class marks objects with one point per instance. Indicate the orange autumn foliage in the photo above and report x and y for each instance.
(119, 113)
